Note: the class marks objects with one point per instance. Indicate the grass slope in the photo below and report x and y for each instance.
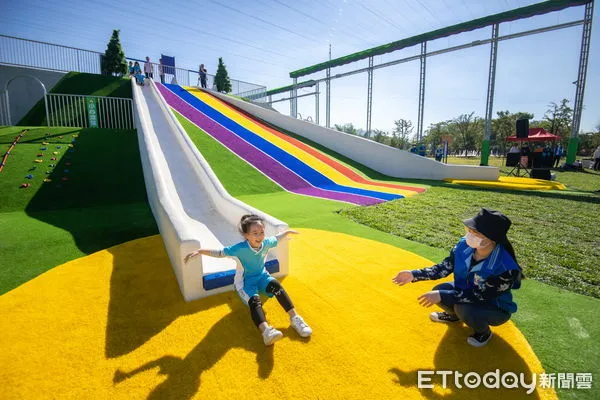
(102, 203)
(552, 232)
(83, 84)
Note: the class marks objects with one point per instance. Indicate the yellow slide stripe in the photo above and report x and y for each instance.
(308, 159)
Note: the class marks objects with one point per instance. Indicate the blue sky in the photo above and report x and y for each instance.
(262, 41)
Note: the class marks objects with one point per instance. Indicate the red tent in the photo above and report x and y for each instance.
(535, 135)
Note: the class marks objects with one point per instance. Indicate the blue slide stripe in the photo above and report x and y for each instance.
(314, 177)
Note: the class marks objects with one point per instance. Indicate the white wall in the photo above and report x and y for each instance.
(24, 93)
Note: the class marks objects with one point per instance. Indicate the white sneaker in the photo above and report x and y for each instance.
(271, 335)
(300, 326)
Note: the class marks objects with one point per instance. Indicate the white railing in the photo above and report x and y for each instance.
(89, 111)
(32, 53)
(188, 77)
(258, 95)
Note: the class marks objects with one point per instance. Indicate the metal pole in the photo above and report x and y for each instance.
(328, 99)
(295, 100)
(369, 96)
(485, 150)
(317, 104)
(581, 75)
(421, 91)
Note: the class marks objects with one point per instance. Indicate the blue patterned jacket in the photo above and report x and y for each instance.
(487, 281)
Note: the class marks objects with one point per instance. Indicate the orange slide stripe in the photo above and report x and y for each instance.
(328, 160)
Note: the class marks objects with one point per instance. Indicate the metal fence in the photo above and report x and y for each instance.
(4, 112)
(89, 111)
(32, 53)
(188, 77)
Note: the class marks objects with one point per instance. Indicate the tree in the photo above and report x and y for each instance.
(113, 62)
(379, 136)
(467, 126)
(434, 134)
(347, 128)
(222, 78)
(402, 132)
(588, 141)
(560, 118)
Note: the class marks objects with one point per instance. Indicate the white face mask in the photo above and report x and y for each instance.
(473, 241)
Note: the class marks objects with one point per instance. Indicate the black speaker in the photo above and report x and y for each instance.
(541, 174)
(522, 128)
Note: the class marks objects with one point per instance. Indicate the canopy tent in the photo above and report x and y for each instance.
(535, 135)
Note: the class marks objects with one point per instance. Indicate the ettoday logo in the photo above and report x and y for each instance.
(506, 380)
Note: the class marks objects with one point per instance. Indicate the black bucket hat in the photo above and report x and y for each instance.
(490, 223)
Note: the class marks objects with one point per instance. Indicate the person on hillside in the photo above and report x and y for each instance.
(148, 68)
(130, 70)
(161, 70)
(255, 279)
(202, 76)
(558, 153)
(597, 159)
(439, 153)
(139, 76)
(485, 270)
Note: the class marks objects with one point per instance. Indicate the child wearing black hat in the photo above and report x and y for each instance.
(485, 270)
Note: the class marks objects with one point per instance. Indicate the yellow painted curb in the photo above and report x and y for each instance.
(510, 182)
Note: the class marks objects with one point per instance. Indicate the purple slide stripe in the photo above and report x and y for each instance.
(268, 166)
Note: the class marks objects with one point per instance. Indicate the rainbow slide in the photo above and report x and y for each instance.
(290, 163)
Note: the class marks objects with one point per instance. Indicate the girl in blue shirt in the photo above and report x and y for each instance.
(256, 279)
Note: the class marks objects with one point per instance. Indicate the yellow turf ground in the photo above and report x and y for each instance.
(113, 325)
(512, 183)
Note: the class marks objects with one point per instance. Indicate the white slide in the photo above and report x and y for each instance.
(190, 205)
(382, 158)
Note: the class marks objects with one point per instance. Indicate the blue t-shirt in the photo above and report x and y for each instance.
(252, 260)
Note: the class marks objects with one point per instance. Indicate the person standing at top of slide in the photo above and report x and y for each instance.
(148, 68)
(202, 76)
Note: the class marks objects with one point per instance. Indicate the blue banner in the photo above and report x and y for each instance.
(168, 64)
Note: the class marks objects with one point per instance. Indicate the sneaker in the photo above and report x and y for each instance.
(300, 326)
(479, 339)
(271, 335)
(443, 317)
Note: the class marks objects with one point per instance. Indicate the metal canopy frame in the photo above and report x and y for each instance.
(492, 20)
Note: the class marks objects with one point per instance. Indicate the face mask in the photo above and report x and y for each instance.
(473, 241)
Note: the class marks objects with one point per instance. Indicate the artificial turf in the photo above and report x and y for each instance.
(96, 198)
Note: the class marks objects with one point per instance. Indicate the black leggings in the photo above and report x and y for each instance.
(256, 310)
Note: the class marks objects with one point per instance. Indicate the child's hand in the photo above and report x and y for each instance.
(191, 255)
(403, 278)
